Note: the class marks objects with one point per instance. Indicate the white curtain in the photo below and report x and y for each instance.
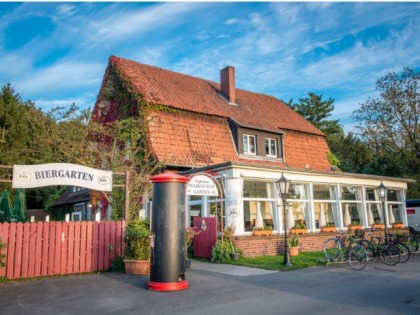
(259, 223)
(347, 218)
(322, 221)
(370, 215)
(391, 215)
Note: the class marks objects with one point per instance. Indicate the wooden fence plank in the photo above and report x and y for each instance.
(119, 239)
(18, 251)
(76, 260)
(107, 244)
(38, 248)
(25, 249)
(64, 247)
(4, 238)
(83, 238)
(113, 247)
(101, 245)
(70, 248)
(44, 256)
(95, 246)
(11, 250)
(57, 247)
(51, 248)
(32, 248)
(89, 245)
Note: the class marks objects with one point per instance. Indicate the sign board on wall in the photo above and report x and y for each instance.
(201, 185)
(31, 176)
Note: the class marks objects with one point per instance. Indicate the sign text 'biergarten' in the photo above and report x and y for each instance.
(201, 185)
(31, 176)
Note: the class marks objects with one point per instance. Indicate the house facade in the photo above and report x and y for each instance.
(246, 141)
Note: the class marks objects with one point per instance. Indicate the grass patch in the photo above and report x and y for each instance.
(303, 260)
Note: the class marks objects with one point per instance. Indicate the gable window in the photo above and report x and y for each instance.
(270, 147)
(249, 144)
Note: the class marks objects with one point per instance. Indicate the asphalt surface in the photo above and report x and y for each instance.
(225, 289)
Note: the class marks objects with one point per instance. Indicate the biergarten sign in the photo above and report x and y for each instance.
(201, 185)
(52, 174)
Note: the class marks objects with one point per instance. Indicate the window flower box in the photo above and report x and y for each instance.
(328, 229)
(262, 232)
(397, 225)
(355, 227)
(298, 231)
(378, 226)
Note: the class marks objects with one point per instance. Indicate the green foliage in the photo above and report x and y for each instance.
(293, 240)
(220, 252)
(137, 238)
(334, 161)
(330, 224)
(2, 256)
(301, 224)
(117, 264)
(355, 223)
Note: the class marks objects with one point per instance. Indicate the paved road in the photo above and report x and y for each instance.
(221, 289)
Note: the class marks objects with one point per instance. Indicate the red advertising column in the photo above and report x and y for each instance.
(167, 261)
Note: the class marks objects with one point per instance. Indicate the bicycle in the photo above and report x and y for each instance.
(389, 254)
(356, 255)
(402, 247)
(413, 239)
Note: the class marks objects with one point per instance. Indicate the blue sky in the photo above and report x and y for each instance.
(55, 53)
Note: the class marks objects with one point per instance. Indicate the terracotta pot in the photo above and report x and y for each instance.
(328, 229)
(378, 226)
(137, 267)
(294, 251)
(397, 225)
(262, 232)
(298, 231)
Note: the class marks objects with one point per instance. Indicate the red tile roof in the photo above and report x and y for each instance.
(197, 133)
(185, 92)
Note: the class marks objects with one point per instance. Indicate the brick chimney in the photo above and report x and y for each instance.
(227, 83)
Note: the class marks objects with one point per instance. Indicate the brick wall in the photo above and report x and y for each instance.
(254, 246)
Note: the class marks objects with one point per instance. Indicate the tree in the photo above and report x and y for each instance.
(316, 111)
(390, 124)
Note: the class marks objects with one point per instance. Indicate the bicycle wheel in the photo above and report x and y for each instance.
(412, 245)
(332, 249)
(368, 246)
(404, 252)
(389, 254)
(358, 257)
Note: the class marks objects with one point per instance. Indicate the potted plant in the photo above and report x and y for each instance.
(299, 228)
(189, 238)
(401, 237)
(397, 224)
(329, 227)
(293, 245)
(137, 248)
(355, 225)
(265, 230)
(235, 253)
(378, 224)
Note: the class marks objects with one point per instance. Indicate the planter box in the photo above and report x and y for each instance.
(378, 226)
(294, 251)
(137, 267)
(262, 232)
(298, 231)
(397, 225)
(355, 227)
(328, 229)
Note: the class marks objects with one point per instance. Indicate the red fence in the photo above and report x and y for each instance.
(58, 248)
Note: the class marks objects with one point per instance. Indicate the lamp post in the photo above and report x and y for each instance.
(382, 195)
(283, 188)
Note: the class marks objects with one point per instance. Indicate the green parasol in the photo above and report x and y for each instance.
(19, 207)
(6, 206)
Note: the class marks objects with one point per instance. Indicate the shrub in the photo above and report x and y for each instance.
(137, 238)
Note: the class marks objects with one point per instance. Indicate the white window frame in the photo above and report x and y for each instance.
(246, 148)
(268, 141)
(76, 214)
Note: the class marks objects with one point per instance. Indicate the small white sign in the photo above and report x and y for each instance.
(31, 176)
(201, 185)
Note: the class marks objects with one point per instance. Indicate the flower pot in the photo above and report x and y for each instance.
(378, 226)
(328, 229)
(294, 251)
(187, 263)
(355, 227)
(137, 267)
(298, 231)
(397, 225)
(262, 232)
(235, 256)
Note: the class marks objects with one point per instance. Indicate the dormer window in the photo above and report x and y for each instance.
(270, 147)
(250, 144)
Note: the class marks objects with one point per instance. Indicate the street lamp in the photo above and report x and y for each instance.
(382, 195)
(283, 188)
